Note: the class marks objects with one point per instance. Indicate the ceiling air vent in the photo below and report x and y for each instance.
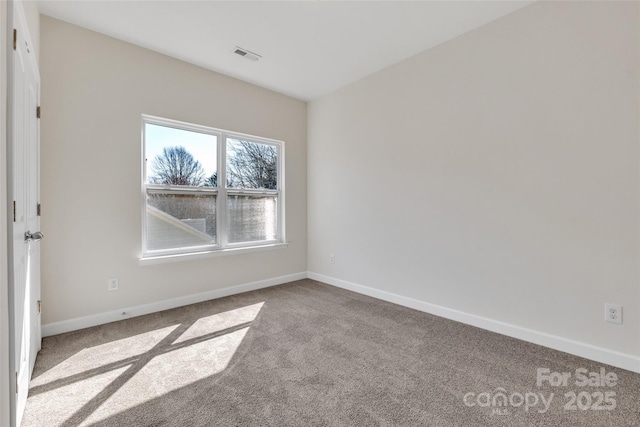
(247, 54)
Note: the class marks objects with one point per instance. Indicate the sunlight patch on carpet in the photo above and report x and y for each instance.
(101, 381)
(221, 321)
(100, 356)
(62, 402)
(171, 371)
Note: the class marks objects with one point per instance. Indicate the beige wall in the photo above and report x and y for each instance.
(496, 174)
(94, 90)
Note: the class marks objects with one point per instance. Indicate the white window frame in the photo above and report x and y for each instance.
(222, 245)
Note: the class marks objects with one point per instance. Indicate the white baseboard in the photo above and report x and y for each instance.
(588, 351)
(112, 316)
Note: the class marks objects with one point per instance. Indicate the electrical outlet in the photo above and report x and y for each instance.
(613, 313)
(332, 259)
(112, 284)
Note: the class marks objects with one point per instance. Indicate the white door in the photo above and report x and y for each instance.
(25, 188)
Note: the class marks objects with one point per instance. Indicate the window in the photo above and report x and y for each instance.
(208, 189)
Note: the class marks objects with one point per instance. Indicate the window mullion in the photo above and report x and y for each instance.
(152, 188)
(280, 222)
(252, 192)
(222, 222)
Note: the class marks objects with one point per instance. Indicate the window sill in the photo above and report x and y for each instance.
(161, 259)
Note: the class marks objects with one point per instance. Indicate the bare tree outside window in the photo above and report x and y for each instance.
(212, 181)
(176, 166)
(252, 165)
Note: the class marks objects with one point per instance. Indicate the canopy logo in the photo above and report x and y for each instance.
(500, 401)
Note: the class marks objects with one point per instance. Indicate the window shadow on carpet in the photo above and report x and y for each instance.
(115, 375)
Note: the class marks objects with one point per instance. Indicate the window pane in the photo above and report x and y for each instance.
(251, 165)
(252, 218)
(180, 220)
(180, 157)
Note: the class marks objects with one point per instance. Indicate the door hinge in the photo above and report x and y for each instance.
(38, 111)
(14, 211)
(16, 382)
(15, 39)
(39, 306)
(38, 209)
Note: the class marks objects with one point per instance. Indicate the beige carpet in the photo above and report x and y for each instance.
(307, 353)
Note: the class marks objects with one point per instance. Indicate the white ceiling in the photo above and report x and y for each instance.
(308, 48)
